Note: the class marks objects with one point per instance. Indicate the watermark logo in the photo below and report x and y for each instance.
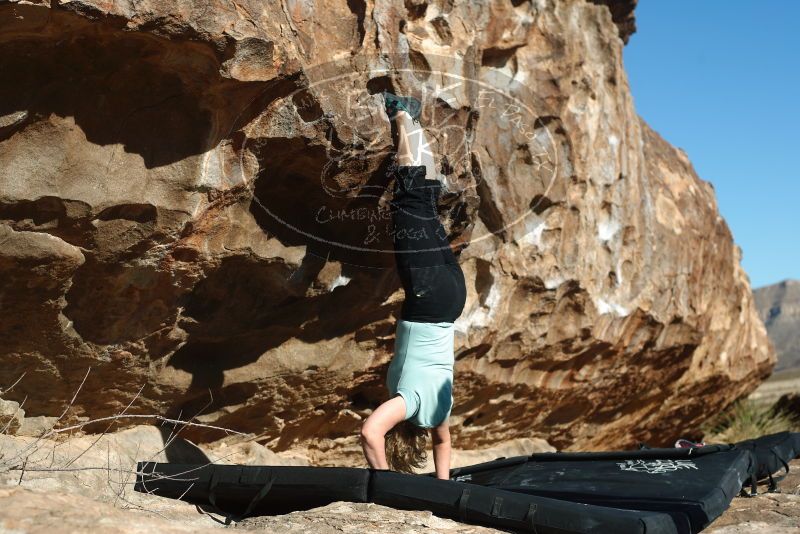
(320, 158)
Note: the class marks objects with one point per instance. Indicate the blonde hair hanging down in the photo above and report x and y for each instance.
(406, 446)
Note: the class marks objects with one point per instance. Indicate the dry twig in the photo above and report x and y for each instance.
(24, 460)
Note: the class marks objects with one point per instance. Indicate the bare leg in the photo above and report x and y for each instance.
(375, 428)
(413, 147)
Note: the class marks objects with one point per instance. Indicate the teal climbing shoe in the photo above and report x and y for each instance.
(409, 104)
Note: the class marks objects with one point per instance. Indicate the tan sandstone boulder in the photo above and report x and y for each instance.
(193, 217)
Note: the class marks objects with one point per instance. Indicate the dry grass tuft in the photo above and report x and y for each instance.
(747, 419)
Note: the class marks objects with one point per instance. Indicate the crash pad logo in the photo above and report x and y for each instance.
(656, 466)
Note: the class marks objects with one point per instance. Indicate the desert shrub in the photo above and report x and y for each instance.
(747, 419)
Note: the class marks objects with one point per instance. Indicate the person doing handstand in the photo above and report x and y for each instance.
(420, 376)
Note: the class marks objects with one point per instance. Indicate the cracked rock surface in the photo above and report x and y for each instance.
(193, 201)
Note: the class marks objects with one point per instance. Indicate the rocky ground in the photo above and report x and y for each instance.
(767, 512)
(360, 517)
(86, 483)
(779, 384)
(74, 484)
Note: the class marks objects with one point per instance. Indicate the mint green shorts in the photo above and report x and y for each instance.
(421, 370)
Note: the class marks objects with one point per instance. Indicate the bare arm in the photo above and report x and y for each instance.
(440, 436)
(375, 428)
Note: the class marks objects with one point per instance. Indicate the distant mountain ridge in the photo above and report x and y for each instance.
(779, 307)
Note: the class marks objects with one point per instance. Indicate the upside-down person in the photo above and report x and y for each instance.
(420, 375)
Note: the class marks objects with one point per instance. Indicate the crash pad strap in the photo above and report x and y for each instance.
(212, 497)
(530, 517)
(779, 457)
(753, 485)
(497, 503)
(462, 505)
(261, 494)
(773, 485)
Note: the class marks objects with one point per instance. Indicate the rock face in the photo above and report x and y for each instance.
(622, 12)
(779, 307)
(193, 205)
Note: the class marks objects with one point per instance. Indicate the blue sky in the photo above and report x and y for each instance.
(721, 80)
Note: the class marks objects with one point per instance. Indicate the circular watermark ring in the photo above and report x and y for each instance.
(351, 176)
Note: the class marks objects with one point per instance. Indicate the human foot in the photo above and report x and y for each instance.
(395, 104)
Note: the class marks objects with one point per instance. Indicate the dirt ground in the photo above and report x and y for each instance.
(778, 384)
(766, 512)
